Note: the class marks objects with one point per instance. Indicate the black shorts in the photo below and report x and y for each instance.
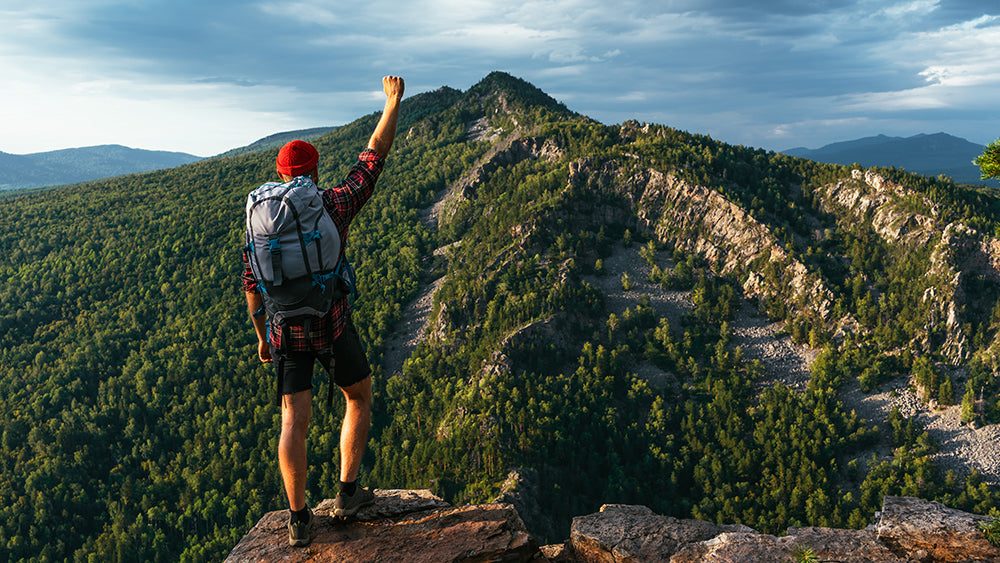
(347, 365)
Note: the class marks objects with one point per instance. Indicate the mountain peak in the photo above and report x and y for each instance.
(514, 92)
(499, 79)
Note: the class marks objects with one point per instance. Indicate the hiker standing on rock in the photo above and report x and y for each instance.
(294, 338)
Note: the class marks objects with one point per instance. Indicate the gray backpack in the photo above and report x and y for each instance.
(294, 250)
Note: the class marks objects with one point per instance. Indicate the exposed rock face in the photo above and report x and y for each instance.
(411, 526)
(416, 526)
(634, 533)
(930, 531)
(703, 221)
(870, 197)
(505, 153)
(907, 220)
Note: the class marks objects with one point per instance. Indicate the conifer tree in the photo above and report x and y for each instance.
(968, 404)
(989, 161)
(945, 392)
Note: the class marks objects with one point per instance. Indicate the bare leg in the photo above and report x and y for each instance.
(354, 432)
(295, 411)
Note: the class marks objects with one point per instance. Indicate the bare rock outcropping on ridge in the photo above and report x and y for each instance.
(416, 526)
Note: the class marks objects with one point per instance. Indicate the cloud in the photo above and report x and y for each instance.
(954, 61)
(302, 13)
(898, 101)
(915, 7)
(189, 118)
(741, 70)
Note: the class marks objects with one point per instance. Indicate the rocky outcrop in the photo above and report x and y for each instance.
(929, 531)
(505, 153)
(611, 536)
(634, 533)
(411, 526)
(887, 206)
(416, 526)
(701, 220)
(909, 530)
(959, 255)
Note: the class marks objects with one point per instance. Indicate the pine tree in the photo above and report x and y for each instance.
(989, 161)
(969, 404)
(626, 282)
(946, 395)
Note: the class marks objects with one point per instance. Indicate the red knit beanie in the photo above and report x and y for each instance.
(297, 158)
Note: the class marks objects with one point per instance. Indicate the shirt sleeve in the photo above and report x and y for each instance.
(346, 199)
(249, 282)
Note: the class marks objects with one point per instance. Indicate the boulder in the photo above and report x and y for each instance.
(910, 530)
(938, 533)
(634, 533)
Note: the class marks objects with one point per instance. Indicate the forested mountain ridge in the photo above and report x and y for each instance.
(277, 140)
(138, 424)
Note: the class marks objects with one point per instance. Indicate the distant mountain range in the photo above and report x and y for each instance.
(929, 155)
(69, 166)
(277, 140)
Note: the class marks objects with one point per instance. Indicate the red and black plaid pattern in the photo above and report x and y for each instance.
(343, 201)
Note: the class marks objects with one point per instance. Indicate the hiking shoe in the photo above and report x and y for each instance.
(299, 532)
(345, 506)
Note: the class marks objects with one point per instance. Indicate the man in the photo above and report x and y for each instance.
(333, 340)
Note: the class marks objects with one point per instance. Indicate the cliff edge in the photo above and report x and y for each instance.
(417, 526)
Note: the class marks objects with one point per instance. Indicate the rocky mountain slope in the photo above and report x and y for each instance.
(801, 247)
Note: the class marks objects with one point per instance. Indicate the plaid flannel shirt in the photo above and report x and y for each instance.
(343, 202)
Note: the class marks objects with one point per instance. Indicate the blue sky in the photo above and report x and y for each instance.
(208, 75)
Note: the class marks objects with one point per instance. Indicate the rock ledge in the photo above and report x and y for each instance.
(417, 526)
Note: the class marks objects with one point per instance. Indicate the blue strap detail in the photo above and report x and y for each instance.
(275, 246)
(346, 271)
(309, 237)
(319, 280)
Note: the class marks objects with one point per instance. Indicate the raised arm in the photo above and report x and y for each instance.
(385, 131)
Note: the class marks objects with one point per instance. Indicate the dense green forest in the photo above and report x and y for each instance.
(138, 425)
